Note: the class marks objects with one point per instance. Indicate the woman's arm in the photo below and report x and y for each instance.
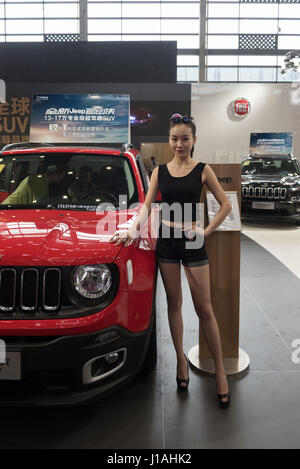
(127, 236)
(211, 181)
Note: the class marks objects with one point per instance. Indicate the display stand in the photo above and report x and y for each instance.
(223, 248)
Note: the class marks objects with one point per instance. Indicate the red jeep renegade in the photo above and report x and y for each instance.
(77, 314)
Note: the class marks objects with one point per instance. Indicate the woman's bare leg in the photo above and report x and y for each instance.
(171, 276)
(199, 283)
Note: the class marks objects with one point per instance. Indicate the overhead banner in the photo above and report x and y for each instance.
(281, 142)
(80, 118)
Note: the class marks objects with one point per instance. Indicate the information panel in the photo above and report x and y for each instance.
(233, 220)
(80, 118)
(276, 142)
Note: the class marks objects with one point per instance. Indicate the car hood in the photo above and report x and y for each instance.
(55, 237)
(272, 178)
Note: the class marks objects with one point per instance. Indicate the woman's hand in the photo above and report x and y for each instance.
(127, 237)
(198, 230)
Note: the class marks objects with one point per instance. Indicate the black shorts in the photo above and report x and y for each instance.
(173, 246)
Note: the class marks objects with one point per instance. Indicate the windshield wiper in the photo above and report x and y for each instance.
(22, 206)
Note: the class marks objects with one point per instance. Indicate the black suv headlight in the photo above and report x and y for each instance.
(92, 281)
(295, 194)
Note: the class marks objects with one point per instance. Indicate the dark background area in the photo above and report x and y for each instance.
(102, 62)
(146, 71)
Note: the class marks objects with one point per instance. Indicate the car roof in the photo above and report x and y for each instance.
(26, 148)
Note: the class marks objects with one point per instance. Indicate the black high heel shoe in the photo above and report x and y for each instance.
(220, 397)
(224, 404)
(181, 381)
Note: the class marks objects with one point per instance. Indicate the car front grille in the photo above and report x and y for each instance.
(45, 292)
(29, 289)
(258, 192)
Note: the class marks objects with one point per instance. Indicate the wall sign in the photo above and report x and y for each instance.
(14, 120)
(80, 118)
(241, 107)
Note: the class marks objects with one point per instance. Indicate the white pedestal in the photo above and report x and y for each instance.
(232, 366)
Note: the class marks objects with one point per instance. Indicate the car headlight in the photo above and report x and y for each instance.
(92, 281)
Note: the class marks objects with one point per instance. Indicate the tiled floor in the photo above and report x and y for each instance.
(264, 412)
(280, 239)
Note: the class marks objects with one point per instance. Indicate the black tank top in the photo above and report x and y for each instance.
(185, 191)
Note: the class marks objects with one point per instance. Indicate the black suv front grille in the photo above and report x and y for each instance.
(258, 192)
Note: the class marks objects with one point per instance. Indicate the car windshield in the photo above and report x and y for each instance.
(276, 166)
(66, 181)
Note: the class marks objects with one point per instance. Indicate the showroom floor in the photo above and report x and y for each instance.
(149, 413)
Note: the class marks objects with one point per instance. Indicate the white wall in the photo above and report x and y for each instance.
(274, 108)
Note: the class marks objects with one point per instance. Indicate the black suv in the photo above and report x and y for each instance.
(271, 186)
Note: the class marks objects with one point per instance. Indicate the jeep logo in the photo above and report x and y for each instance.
(225, 179)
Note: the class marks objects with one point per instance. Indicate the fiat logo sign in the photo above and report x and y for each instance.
(241, 107)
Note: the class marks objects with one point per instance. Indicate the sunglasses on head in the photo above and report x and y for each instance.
(178, 118)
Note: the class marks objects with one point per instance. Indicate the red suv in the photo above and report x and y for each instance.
(77, 313)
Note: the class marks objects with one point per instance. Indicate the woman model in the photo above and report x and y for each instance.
(180, 183)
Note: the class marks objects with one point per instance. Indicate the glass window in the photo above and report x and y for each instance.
(270, 166)
(257, 74)
(179, 26)
(188, 60)
(104, 10)
(258, 26)
(222, 60)
(104, 26)
(24, 27)
(62, 11)
(61, 26)
(26, 1)
(67, 179)
(138, 26)
(132, 10)
(223, 42)
(257, 60)
(187, 74)
(223, 26)
(166, 1)
(290, 75)
(223, 11)
(289, 42)
(28, 38)
(180, 10)
(184, 41)
(221, 74)
(258, 10)
(108, 38)
(128, 37)
(289, 26)
(289, 11)
(24, 11)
